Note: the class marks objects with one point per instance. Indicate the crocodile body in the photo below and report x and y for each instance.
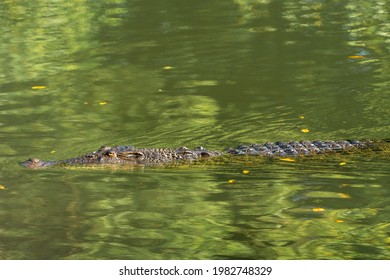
(130, 155)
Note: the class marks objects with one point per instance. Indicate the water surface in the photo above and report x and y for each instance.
(78, 75)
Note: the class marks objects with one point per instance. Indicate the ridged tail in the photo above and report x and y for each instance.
(297, 148)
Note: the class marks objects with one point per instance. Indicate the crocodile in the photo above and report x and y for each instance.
(130, 155)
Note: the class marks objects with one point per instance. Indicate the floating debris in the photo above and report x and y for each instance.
(287, 159)
(38, 87)
(355, 56)
(344, 195)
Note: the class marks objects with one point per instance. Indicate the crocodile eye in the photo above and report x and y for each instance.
(111, 154)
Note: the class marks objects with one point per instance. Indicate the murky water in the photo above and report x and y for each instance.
(77, 75)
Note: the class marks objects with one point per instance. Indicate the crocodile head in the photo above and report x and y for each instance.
(127, 155)
(103, 156)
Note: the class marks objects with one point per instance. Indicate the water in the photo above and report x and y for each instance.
(75, 76)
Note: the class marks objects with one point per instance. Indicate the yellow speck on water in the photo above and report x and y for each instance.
(103, 102)
(355, 56)
(305, 130)
(339, 221)
(167, 67)
(245, 171)
(342, 163)
(2, 187)
(318, 209)
(287, 159)
(344, 195)
(231, 181)
(301, 117)
(38, 87)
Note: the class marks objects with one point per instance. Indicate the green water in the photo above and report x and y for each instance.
(76, 75)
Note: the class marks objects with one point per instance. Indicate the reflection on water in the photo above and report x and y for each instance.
(302, 210)
(76, 75)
